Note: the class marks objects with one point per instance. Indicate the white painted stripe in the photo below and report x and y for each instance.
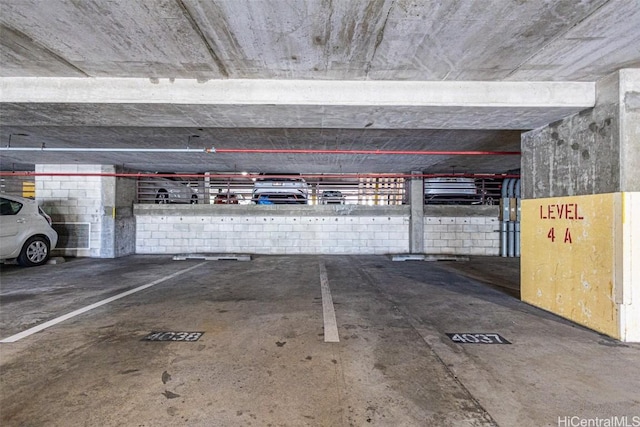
(328, 312)
(75, 313)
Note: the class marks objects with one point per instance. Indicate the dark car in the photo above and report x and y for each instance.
(226, 199)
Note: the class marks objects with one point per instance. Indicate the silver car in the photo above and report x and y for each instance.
(274, 189)
(167, 190)
(332, 197)
(452, 190)
(25, 231)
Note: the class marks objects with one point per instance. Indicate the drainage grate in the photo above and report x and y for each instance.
(429, 257)
(212, 257)
(408, 257)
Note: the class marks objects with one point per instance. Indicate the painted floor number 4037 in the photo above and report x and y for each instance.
(471, 338)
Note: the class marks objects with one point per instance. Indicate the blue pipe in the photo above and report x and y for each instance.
(511, 224)
(517, 230)
(505, 216)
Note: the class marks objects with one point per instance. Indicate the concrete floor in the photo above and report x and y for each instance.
(262, 360)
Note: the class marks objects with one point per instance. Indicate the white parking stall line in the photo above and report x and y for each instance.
(328, 312)
(75, 313)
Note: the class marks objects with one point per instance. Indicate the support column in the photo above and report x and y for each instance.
(93, 214)
(124, 222)
(581, 210)
(416, 225)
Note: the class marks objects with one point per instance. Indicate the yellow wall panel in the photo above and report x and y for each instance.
(29, 189)
(568, 258)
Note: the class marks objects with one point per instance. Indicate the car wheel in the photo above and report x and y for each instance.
(162, 198)
(194, 199)
(34, 252)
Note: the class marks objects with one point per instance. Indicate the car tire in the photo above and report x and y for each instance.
(194, 199)
(34, 252)
(162, 197)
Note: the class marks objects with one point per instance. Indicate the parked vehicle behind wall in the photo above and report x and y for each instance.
(332, 197)
(451, 190)
(167, 190)
(280, 189)
(225, 198)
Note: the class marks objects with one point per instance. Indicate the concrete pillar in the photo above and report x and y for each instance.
(93, 214)
(581, 212)
(205, 189)
(416, 225)
(124, 222)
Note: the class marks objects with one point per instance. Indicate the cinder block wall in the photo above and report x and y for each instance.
(101, 205)
(282, 229)
(73, 199)
(462, 235)
(462, 230)
(269, 230)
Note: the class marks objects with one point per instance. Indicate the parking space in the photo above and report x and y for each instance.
(344, 147)
(262, 358)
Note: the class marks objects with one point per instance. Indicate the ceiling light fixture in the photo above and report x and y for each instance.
(110, 149)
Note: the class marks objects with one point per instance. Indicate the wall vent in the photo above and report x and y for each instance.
(73, 235)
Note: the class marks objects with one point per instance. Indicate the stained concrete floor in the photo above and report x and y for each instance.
(262, 360)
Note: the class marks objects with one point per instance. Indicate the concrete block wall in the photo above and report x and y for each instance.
(267, 234)
(466, 235)
(284, 229)
(73, 199)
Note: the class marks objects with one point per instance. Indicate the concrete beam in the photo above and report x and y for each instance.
(297, 92)
(289, 103)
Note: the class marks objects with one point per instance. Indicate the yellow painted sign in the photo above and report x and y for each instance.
(568, 258)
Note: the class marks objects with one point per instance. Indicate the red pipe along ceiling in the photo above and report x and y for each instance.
(373, 152)
(257, 175)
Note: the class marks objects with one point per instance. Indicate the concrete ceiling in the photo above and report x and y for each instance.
(387, 50)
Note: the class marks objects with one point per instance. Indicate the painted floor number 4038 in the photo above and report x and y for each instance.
(173, 336)
(471, 338)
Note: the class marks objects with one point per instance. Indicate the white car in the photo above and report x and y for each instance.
(276, 189)
(332, 197)
(25, 231)
(452, 190)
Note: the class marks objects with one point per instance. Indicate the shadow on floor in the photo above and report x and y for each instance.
(502, 274)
